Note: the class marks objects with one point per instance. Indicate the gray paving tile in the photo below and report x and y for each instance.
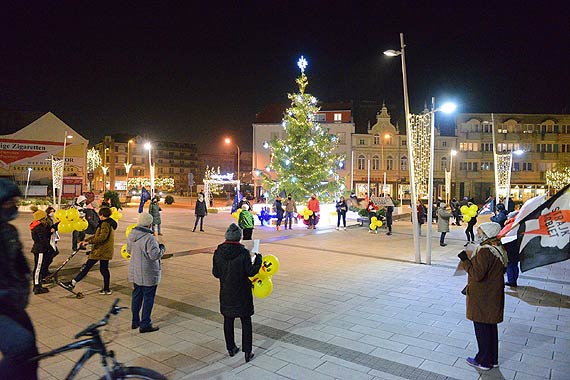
(340, 372)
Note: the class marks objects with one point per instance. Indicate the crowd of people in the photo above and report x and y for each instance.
(233, 264)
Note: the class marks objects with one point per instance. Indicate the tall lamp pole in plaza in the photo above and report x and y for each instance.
(229, 141)
(402, 54)
(128, 164)
(28, 183)
(386, 137)
(63, 168)
(447, 108)
(105, 169)
(452, 154)
(148, 147)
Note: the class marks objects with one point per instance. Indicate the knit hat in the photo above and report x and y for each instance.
(233, 233)
(145, 219)
(442, 204)
(8, 189)
(39, 215)
(490, 229)
(245, 206)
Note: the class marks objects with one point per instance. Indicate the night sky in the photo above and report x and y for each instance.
(200, 72)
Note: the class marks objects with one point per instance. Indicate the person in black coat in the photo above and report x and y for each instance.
(201, 210)
(17, 335)
(341, 209)
(43, 251)
(278, 206)
(233, 264)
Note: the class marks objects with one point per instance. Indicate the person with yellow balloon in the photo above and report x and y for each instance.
(469, 212)
(232, 265)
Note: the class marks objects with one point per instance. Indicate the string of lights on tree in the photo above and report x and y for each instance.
(166, 184)
(303, 161)
(214, 188)
(420, 126)
(93, 160)
(558, 177)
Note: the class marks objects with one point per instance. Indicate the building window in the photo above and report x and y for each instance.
(487, 166)
(341, 136)
(361, 162)
(469, 147)
(376, 139)
(444, 144)
(468, 166)
(443, 165)
(527, 166)
(320, 117)
(486, 128)
(361, 142)
(375, 163)
(404, 163)
(390, 163)
(516, 166)
(116, 149)
(337, 117)
(120, 172)
(404, 142)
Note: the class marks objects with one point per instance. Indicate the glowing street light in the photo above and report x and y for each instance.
(148, 147)
(228, 141)
(63, 168)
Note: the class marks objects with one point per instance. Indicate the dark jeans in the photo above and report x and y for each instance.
(457, 216)
(142, 296)
(41, 265)
(488, 343)
(442, 238)
(78, 236)
(312, 219)
(17, 344)
(339, 216)
(247, 232)
(246, 333)
(157, 228)
(469, 230)
(289, 218)
(512, 272)
(103, 268)
(389, 219)
(201, 219)
(279, 219)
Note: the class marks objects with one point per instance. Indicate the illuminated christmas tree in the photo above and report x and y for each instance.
(304, 160)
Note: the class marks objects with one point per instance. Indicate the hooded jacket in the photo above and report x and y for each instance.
(145, 266)
(154, 210)
(245, 219)
(41, 235)
(103, 241)
(232, 265)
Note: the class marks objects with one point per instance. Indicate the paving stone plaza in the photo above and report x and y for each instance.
(345, 305)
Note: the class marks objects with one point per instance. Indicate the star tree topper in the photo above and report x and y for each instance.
(302, 63)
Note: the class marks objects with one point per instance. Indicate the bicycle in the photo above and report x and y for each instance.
(95, 345)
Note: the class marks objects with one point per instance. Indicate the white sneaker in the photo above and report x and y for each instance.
(338, 228)
(105, 292)
(344, 228)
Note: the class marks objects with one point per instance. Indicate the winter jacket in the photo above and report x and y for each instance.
(314, 205)
(485, 287)
(245, 219)
(201, 209)
(500, 218)
(41, 235)
(278, 205)
(14, 272)
(154, 210)
(232, 265)
(371, 208)
(341, 207)
(103, 241)
(92, 220)
(443, 219)
(144, 266)
(422, 213)
(290, 205)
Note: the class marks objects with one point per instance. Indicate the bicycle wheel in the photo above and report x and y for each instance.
(135, 373)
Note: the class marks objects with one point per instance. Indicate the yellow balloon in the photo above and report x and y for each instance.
(65, 227)
(473, 208)
(269, 265)
(379, 223)
(466, 218)
(464, 209)
(373, 219)
(129, 229)
(59, 215)
(126, 255)
(372, 226)
(76, 225)
(472, 213)
(116, 216)
(236, 213)
(260, 274)
(262, 287)
(113, 210)
(310, 212)
(72, 214)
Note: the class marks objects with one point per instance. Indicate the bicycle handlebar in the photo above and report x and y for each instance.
(114, 310)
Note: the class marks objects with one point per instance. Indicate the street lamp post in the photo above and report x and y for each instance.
(128, 165)
(105, 169)
(148, 147)
(229, 141)
(28, 183)
(402, 54)
(447, 108)
(63, 168)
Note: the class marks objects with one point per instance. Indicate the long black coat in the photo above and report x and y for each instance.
(14, 272)
(232, 265)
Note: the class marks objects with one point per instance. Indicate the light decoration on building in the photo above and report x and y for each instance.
(503, 165)
(420, 140)
(165, 184)
(558, 177)
(57, 172)
(93, 160)
(214, 188)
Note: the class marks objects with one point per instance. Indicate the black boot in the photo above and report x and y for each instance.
(233, 351)
(248, 356)
(38, 289)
